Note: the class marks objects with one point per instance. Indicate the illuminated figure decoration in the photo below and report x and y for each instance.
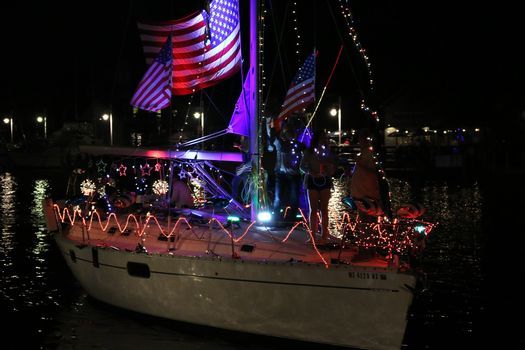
(87, 187)
(160, 187)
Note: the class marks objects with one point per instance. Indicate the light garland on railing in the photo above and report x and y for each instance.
(87, 222)
(401, 236)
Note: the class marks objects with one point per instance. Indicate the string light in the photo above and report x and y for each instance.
(146, 169)
(101, 166)
(122, 169)
(401, 236)
(349, 21)
(296, 152)
(261, 55)
(323, 152)
(297, 35)
(181, 130)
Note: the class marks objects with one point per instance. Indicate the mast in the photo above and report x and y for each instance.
(253, 107)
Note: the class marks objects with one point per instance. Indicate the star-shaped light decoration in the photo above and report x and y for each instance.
(101, 166)
(158, 166)
(146, 169)
(122, 169)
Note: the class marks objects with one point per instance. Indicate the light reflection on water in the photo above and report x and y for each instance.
(7, 213)
(29, 290)
(39, 292)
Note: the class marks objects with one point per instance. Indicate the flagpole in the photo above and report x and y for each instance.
(253, 108)
(324, 89)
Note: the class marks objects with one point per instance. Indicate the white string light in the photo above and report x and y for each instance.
(352, 32)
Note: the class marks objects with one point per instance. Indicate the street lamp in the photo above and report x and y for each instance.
(9, 121)
(200, 115)
(41, 119)
(337, 112)
(109, 117)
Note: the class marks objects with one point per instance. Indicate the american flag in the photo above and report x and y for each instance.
(301, 92)
(154, 90)
(206, 47)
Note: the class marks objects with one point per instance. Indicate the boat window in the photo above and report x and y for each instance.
(248, 248)
(138, 269)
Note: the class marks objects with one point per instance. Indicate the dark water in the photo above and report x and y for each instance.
(44, 307)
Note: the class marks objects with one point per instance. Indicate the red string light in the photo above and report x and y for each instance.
(401, 236)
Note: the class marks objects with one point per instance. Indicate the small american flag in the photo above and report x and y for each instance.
(301, 92)
(206, 47)
(154, 90)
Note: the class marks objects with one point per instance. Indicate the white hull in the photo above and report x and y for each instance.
(348, 305)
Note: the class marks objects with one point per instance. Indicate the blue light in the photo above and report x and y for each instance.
(264, 216)
(420, 229)
(349, 203)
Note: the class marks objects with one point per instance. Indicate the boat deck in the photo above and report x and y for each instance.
(198, 234)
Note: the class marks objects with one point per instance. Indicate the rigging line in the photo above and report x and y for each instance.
(204, 138)
(297, 36)
(324, 89)
(214, 105)
(359, 87)
(279, 55)
(315, 24)
(383, 183)
(211, 165)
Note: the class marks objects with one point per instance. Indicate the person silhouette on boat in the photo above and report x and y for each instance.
(181, 196)
(318, 165)
(364, 185)
(287, 173)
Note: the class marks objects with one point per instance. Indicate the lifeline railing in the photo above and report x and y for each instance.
(396, 236)
(87, 221)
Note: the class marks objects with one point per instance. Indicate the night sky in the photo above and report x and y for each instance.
(453, 65)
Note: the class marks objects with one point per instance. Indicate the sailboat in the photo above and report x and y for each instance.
(236, 272)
